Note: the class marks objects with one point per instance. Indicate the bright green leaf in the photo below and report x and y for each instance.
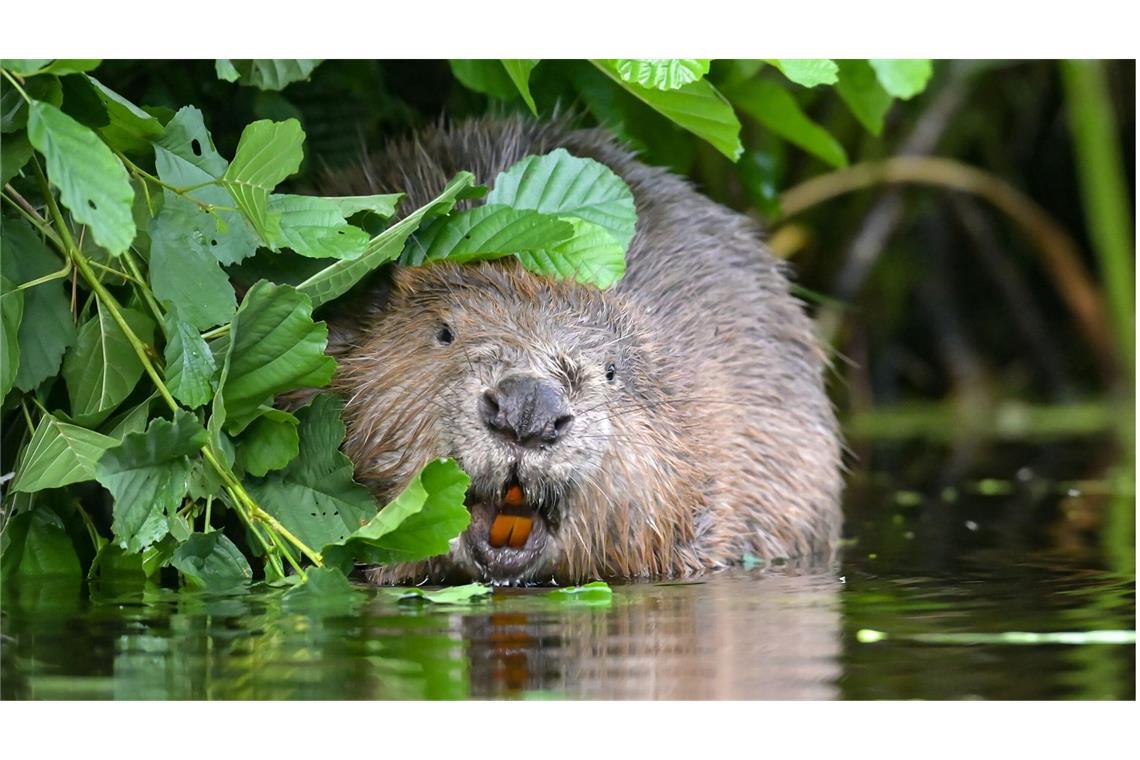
(225, 70)
(24, 66)
(269, 443)
(190, 366)
(92, 183)
(660, 73)
(59, 454)
(808, 72)
(903, 77)
(314, 227)
(131, 129)
(590, 255)
(420, 522)
(864, 96)
(565, 185)
(450, 595)
(337, 278)
(518, 69)
(485, 232)
(274, 347)
(148, 475)
(775, 108)
(211, 561)
(267, 153)
(102, 368)
(697, 106)
(13, 107)
(597, 591)
(315, 496)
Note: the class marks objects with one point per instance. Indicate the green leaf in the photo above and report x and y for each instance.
(14, 157)
(489, 77)
(148, 474)
(420, 522)
(46, 329)
(451, 595)
(11, 311)
(590, 255)
(315, 227)
(864, 96)
(903, 77)
(102, 368)
(58, 66)
(337, 278)
(24, 66)
(37, 545)
(518, 69)
(185, 274)
(225, 70)
(274, 347)
(808, 72)
(660, 73)
(92, 183)
(190, 366)
(211, 561)
(267, 153)
(59, 454)
(265, 74)
(598, 591)
(775, 108)
(324, 588)
(131, 129)
(697, 107)
(315, 496)
(269, 443)
(13, 107)
(131, 421)
(185, 157)
(383, 206)
(485, 232)
(565, 185)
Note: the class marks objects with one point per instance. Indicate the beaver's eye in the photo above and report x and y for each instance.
(444, 335)
(611, 372)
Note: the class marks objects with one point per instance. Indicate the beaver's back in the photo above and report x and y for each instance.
(764, 430)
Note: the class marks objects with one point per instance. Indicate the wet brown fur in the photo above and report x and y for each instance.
(718, 439)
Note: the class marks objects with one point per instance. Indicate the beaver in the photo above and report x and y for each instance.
(673, 423)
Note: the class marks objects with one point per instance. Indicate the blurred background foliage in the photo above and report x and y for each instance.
(969, 241)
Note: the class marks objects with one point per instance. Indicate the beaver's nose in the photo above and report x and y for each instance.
(527, 410)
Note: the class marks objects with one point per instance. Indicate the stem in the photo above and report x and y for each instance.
(1104, 193)
(48, 277)
(143, 289)
(91, 531)
(206, 522)
(216, 332)
(112, 270)
(16, 84)
(107, 299)
(28, 212)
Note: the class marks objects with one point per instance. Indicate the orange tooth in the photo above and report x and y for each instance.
(501, 530)
(521, 532)
(514, 496)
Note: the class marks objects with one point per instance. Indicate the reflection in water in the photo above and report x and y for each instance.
(927, 554)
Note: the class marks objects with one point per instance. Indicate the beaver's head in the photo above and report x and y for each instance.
(551, 395)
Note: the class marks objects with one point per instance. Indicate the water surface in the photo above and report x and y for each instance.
(939, 540)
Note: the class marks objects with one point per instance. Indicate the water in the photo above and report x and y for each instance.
(940, 541)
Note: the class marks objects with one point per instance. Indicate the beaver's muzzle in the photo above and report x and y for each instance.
(526, 410)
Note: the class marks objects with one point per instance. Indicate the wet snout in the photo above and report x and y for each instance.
(527, 410)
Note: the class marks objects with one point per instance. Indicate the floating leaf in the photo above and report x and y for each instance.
(92, 183)
(660, 73)
(903, 77)
(274, 347)
(561, 184)
(808, 72)
(211, 561)
(697, 106)
(59, 454)
(102, 368)
(337, 278)
(775, 108)
(148, 475)
(451, 595)
(597, 591)
(190, 366)
(865, 97)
